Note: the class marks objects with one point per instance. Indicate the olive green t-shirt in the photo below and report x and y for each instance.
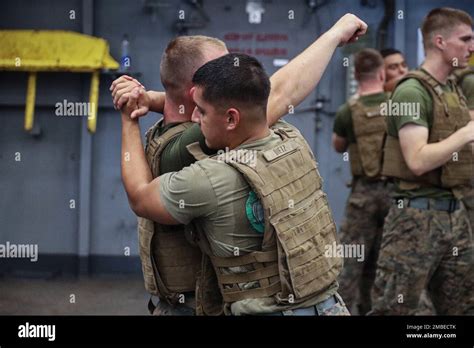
(343, 125)
(467, 86)
(175, 155)
(412, 91)
(213, 195)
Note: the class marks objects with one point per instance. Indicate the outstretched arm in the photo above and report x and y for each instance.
(290, 85)
(295, 81)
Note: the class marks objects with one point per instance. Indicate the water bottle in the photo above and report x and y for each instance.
(125, 61)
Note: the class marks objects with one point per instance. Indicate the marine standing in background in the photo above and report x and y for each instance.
(427, 241)
(465, 78)
(395, 67)
(360, 127)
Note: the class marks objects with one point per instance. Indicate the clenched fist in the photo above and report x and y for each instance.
(122, 89)
(349, 28)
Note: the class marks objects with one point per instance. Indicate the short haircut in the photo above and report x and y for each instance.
(389, 51)
(234, 78)
(442, 20)
(367, 62)
(182, 57)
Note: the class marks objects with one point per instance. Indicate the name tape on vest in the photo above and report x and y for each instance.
(279, 151)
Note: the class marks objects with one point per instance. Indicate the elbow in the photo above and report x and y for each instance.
(417, 168)
(135, 204)
(338, 148)
(136, 208)
(339, 144)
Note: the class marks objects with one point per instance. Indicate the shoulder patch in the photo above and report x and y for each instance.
(254, 212)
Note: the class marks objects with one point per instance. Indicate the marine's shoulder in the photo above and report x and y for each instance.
(216, 168)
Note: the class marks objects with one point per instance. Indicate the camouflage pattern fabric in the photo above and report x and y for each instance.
(163, 308)
(469, 286)
(339, 308)
(424, 249)
(367, 206)
(321, 309)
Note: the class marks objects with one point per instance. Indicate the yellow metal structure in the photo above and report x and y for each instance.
(30, 101)
(54, 50)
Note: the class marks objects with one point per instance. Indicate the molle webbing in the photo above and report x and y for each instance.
(369, 130)
(450, 113)
(169, 262)
(156, 144)
(291, 265)
(460, 74)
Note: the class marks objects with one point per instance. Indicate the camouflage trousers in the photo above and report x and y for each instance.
(469, 203)
(424, 249)
(367, 206)
(339, 309)
(334, 306)
(164, 308)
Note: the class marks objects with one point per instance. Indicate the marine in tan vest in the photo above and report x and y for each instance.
(465, 79)
(285, 265)
(360, 128)
(427, 241)
(209, 202)
(168, 262)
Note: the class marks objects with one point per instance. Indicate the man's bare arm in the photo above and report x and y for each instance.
(339, 143)
(142, 191)
(295, 81)
(290, 85)
(422, 157)
(157, 101)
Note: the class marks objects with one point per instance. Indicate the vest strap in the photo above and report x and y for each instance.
(195, 150)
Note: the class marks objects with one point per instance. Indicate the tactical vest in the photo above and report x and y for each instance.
(449, 114)
(369, 130)
(169, 262)
(460, 74)
(291, 266)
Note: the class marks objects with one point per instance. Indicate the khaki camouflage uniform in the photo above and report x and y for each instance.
(427, 241)
(366, 209)
(369, 201)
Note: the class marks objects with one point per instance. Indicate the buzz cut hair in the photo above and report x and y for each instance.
(181, 59)
(442, 20)
(367, 62)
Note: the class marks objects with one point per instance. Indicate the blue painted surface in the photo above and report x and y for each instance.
(35, 193)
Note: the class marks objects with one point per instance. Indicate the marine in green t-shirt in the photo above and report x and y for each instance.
(343, 125)
(412, 91)
(175, 155)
